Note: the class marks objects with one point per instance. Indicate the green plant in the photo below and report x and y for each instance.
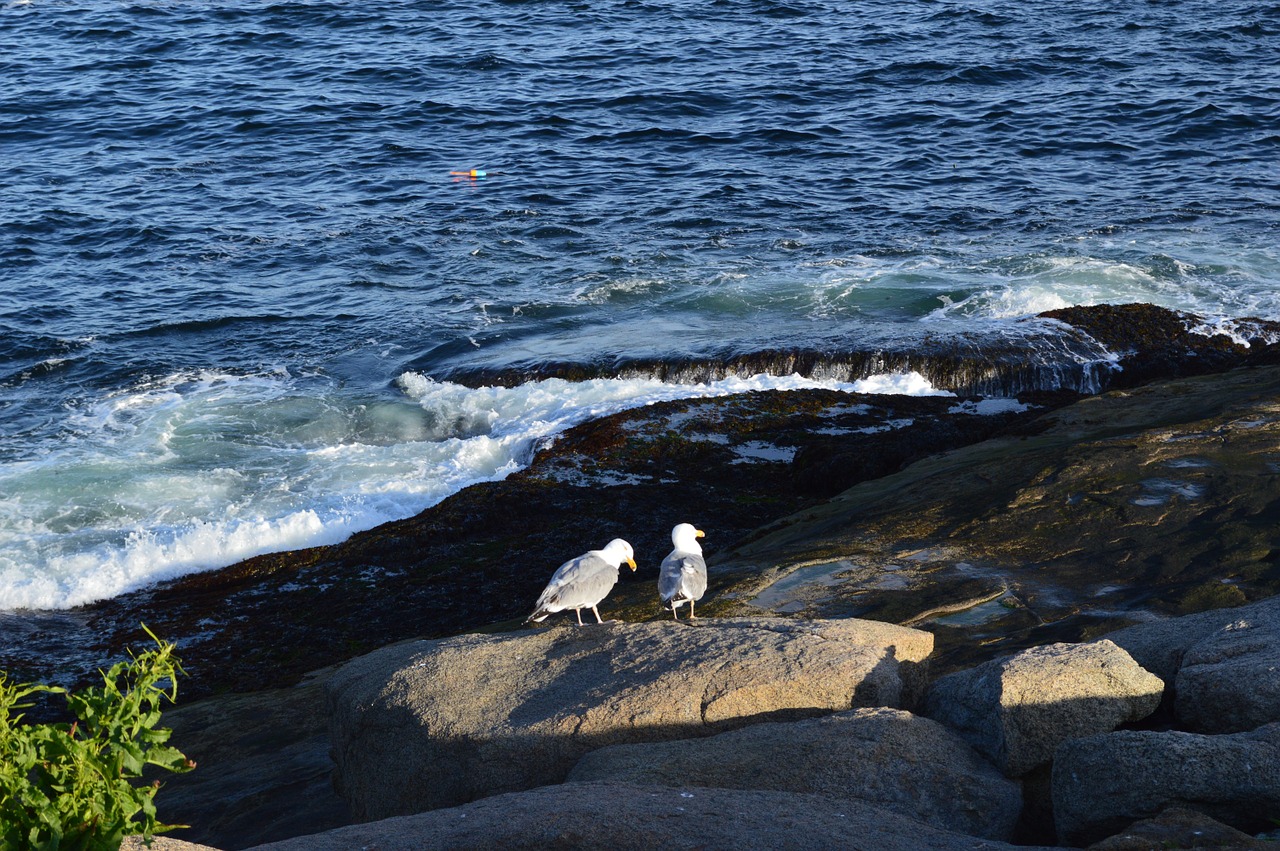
(68, 787)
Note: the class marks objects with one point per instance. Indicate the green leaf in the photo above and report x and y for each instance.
(64, 788)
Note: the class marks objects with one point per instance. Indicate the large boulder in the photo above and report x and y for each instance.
(1229, 682)
(1016, 710)
(1160, 645)
(885, 757)
(1102, 783)
(623, 817)
(431, 724)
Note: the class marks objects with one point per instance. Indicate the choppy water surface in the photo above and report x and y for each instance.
(236, 267)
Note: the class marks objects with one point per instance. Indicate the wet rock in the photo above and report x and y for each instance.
(1155, 343)
(724, 463)
(1017, 710)
(624, 817)
(1102, 783)
(1179, 827)
(826, 467)
(431, 724)
(1101, 513)
(885, 757)
(1229, 681)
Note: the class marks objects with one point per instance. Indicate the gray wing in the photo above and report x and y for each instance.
(683, 576)
(579, 583)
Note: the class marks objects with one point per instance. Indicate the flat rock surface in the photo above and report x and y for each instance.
(162, 843)
(624, 817)
(431, 724)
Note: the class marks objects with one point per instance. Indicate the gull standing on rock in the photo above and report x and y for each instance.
(581, 583)
(683, 577)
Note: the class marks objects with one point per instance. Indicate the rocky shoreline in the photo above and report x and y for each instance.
(807, 734)
(993, 530)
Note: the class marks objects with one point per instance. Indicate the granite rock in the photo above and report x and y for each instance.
(1179, 827)
(624, 817)
(1229, 682)
(1102, 783)
(1160, 645)
(429, 724)
(1016, 710)
(885, 757)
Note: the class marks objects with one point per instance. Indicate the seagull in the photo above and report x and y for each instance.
(683, 577)
(581, 583)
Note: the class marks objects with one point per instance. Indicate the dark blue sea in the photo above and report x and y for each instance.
(241, 284)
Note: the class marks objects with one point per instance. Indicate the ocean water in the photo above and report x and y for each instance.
(242, 287)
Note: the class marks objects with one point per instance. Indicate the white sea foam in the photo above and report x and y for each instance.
(900, 383)
(1197, 279)
(200, 470)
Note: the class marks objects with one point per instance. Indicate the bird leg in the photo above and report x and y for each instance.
(578, 612)
(673, 612)
(691, 614)
(597, 611)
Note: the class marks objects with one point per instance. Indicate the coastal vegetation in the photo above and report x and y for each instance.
(75, 786)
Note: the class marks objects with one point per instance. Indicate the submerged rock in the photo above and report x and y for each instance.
(430, 724)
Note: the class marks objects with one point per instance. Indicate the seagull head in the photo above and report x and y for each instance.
(685, 537)
(617, 551)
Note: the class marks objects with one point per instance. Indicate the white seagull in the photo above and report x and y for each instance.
(581, 583)
(683, 577)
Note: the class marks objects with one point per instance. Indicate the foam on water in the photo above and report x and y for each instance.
(200, 470)
(1197, 278)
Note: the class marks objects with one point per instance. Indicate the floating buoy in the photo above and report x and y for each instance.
(475, 172)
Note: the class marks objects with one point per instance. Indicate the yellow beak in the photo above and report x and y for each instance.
(698, 533)
(633, 565)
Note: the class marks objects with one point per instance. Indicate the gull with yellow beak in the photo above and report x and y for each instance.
(683, 576)
(581, 583)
